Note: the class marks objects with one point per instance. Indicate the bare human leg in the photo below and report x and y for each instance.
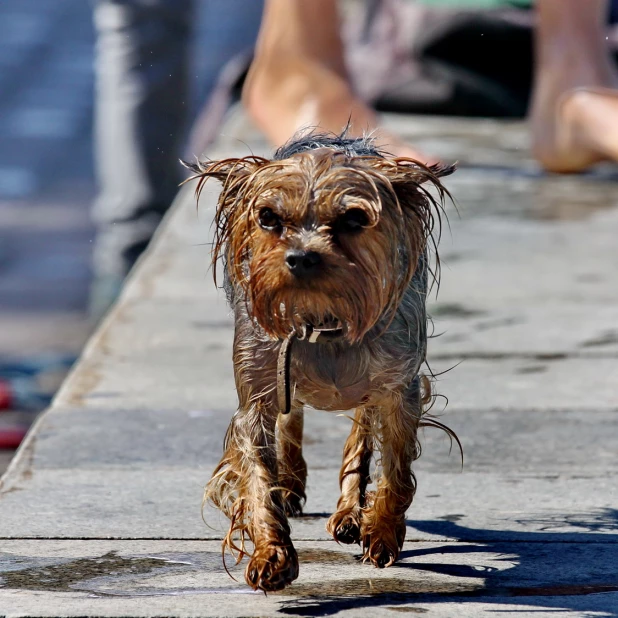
(574, 112)
(298, 78)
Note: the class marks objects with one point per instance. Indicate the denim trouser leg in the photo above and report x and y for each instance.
(140, 112)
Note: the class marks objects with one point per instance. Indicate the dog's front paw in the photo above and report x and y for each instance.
(272, 567)
(345, 526)
(382, 542)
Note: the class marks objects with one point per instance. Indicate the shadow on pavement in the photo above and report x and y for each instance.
(549, 570)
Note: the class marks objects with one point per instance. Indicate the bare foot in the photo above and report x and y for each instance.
(574, 112)
(301, 93)
(582, 131)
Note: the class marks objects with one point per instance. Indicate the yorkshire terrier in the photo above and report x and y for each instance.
(326, 245)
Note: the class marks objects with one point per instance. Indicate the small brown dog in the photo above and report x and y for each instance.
(327, 243)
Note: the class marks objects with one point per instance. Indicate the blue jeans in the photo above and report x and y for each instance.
(142, 105)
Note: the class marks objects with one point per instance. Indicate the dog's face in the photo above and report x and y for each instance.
(321, 238)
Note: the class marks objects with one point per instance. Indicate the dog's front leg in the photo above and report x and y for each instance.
(245, 487)
(384, 525)
(345, 523)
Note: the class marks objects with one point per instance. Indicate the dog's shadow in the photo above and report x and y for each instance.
(545, 571)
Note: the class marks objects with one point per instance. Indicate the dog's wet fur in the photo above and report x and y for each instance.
(330, 231)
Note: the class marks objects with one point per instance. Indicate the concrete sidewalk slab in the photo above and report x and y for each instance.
(140, 578)
(100, 513)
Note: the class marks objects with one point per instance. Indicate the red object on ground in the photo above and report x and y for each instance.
(5, 395)
(10, 438)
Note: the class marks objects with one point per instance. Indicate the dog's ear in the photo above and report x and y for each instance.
(409, 178)
(235, 175)
(412, 180)
(439, 170)
(403, 171)
(231, 173)
(420, 197)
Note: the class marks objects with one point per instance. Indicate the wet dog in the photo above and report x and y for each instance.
(325, 246)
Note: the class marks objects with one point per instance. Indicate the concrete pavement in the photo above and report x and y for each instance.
(100, 511)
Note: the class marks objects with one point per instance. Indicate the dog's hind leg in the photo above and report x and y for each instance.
(292, 466)
(383, 524)
(345, 523)
(245, 486)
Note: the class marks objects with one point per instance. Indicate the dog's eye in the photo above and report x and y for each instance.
(268, 219)
(352, 220)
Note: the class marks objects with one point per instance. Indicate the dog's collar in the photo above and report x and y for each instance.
(320, 335)
(310, 334)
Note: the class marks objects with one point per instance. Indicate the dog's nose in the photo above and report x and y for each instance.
(302, 263)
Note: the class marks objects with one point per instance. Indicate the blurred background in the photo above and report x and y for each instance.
(47, 186)
(453, 57)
